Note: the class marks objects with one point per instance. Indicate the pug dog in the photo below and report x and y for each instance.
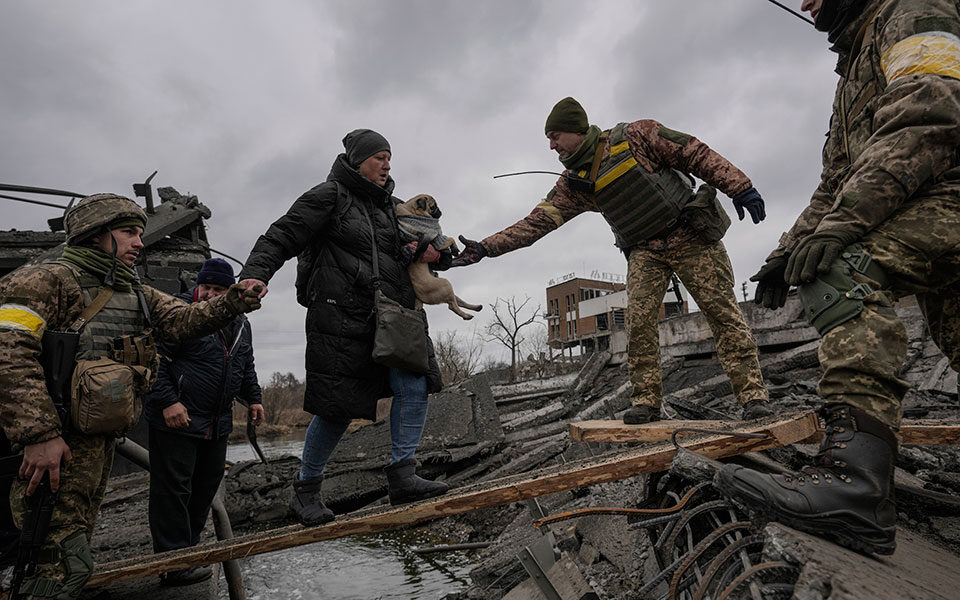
(419, 221)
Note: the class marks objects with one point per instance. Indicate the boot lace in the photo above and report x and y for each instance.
(827, 466)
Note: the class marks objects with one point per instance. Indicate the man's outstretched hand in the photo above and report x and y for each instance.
(473, 252)
(242, 299)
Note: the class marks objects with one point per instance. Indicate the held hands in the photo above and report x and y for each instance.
(771, 288)
(473, 252)
(175, 416)
(41, 458)
(429, 254)
(814, 255)
(750, 200)
(253, 283)
(256, 414)
(242, 298)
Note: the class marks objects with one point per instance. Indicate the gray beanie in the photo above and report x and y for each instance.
(361, 144)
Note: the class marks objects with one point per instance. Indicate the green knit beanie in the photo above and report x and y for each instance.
(567, 115)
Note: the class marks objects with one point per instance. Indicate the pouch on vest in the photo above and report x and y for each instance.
(706, 215)
(105, 396)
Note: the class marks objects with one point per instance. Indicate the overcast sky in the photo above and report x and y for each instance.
(245, 103)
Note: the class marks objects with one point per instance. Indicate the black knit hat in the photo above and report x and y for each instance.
(361, 144)
(567, 115)
(216, 271)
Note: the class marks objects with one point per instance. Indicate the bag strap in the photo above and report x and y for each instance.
(595, 167)
(92, 309)
(373, 248)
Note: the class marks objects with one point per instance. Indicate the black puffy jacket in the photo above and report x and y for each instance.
(205, 374)
(327, 229)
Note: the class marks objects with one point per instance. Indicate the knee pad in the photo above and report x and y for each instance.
(833, 298)
(74, 558)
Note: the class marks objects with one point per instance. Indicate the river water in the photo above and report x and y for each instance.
(368, 567)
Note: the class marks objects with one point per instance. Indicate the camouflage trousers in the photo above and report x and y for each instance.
(82, 484)
(704, 268)
(919, 251)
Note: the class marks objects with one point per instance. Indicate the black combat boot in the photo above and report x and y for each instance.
(641, 413)
(307, 501)
(756, 409)
(403, 484)
(845, 496)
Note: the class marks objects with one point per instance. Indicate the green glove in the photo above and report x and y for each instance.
(243, 300)
(814, 255)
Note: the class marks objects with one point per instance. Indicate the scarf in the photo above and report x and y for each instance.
(582, 157)
(99, 263)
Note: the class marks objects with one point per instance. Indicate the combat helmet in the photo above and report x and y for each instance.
(101, 212)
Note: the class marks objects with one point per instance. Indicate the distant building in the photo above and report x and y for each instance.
(591, 313)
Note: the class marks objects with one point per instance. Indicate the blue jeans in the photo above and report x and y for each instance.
(408, 413)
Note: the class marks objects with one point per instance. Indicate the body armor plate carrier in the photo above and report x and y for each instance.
(637, 204)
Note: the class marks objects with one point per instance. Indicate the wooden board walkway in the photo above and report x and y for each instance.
(922, 432)
(779, 431)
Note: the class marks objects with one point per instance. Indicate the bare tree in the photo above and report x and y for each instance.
(505, 328)
(538, 350)
(458, 356)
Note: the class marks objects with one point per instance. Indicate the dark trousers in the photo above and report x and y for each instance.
(185, 473)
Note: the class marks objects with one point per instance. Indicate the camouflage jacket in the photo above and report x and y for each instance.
(654, 147)
(895, 128)
(47, 296)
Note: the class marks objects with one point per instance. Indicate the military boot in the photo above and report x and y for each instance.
(641, 413)
(845, 496)
(756, 409)
(404, 485)
(307, 502)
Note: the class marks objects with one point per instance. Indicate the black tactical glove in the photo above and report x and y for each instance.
(814, 255)
(750, 199)
(243, 300)
(771, 288)
(473, 252)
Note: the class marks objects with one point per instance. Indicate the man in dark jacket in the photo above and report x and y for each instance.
(190, 413)
(330, 228)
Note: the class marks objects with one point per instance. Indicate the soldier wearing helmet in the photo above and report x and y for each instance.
(92, 289)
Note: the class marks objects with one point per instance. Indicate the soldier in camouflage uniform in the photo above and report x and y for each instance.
(884, 223)
(103, 241)
(635, 176)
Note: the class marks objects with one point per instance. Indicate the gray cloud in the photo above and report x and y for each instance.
(245, 103)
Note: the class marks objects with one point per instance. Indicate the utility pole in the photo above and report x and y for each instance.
(744, 291)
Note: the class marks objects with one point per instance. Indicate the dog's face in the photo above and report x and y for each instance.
(423, 205)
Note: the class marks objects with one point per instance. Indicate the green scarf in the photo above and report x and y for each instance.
(582, 157)
(98, 262)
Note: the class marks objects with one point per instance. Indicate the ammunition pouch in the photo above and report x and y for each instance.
(833, 298)
(74, 557)
(105, 396)
(705, 215)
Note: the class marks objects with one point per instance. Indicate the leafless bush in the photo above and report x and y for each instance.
(458, 355)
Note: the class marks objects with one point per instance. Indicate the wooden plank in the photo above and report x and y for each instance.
(575, 474)
(926, 432)
(930, 432)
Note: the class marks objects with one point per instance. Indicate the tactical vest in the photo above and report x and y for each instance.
(116, 330)
(637, 204)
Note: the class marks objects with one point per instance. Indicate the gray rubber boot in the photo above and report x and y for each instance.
(307, 502)
(404, 485)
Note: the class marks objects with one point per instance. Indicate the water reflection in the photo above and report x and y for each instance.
(379, 566)
(365, 567)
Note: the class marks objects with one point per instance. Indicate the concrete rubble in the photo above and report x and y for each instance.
(478, 432)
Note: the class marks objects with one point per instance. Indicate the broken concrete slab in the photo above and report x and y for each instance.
(918, 570)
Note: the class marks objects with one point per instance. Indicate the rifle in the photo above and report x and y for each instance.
(58, 358)
(36, 525)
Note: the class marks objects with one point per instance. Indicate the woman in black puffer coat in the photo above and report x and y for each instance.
(328, 229)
